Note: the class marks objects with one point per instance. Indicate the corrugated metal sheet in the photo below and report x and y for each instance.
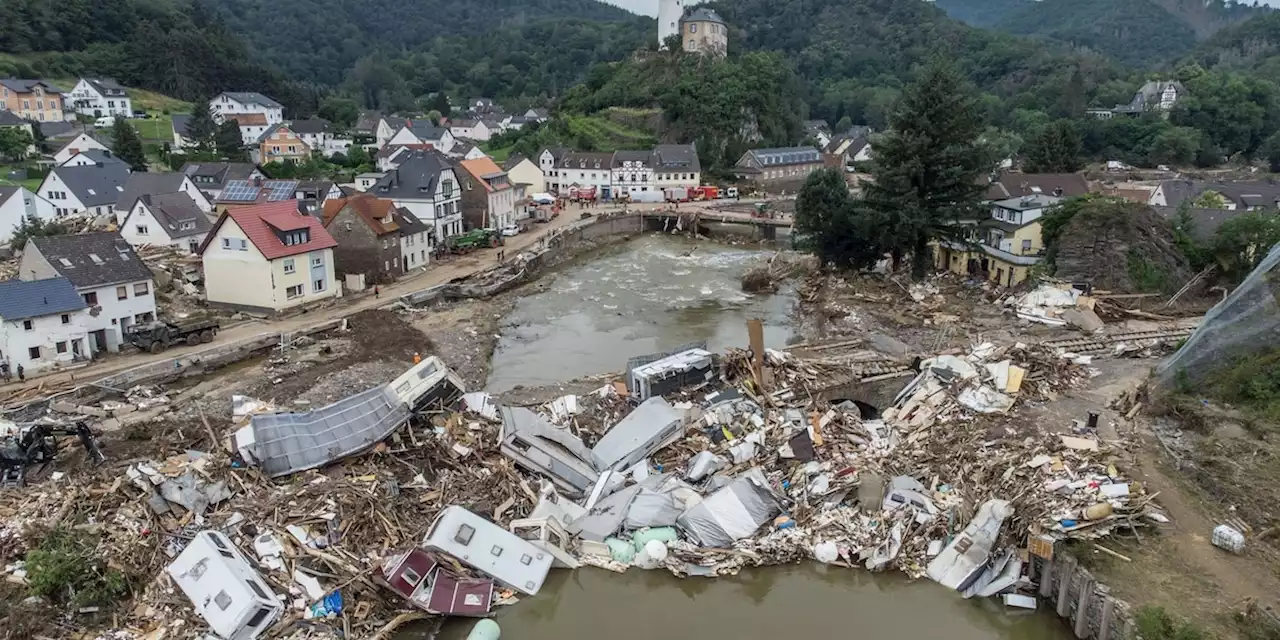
(286, 443)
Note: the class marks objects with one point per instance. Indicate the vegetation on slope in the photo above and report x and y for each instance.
(1136, 32)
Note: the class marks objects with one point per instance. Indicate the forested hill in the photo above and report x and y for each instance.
(319, 40)
(1135, 32)
(1252, 46)
(982, 13)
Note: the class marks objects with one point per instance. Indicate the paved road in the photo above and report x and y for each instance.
(438, 273)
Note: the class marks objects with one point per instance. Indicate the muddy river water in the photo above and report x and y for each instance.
(648, 295)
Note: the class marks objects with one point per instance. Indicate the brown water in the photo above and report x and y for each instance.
(793, 602)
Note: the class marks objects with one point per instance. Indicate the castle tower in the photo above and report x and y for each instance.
(669, 14)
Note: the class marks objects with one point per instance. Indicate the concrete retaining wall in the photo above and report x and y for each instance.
(1085, 604)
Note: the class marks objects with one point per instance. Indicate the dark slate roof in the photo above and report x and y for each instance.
(425, 130)
(1242, 194)
(584, 160)
(100, 157)
(513, 160)
(115, 260)
(1204, 222)
(645, 158)
(58, 129)
(367, 123)
(676, 156)
(21, 299)
(25, 86)
(222, 172)
(409, 223)
(253, 97)
(181, 123)
(1013, 184)
(95, 185)
(702, 14)
(6, 192)
(10, 119)
(179, 214)
(415, 178)
(780, 157)
(107, 87)
(312, 126)
(148, 184)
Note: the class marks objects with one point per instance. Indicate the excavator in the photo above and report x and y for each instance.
(23, 447)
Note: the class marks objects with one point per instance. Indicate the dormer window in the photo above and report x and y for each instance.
(301, 236)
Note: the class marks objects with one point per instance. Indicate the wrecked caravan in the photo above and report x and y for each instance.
(224, 588)
(670, 374)
(488, 548)
(428, 584)
(964, 560)
(542, 448)
(285, 443)
(653, 425)
(735, 512)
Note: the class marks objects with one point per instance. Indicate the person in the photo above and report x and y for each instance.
(376, 292)
(4, 371)
(22, 374)
(417, 358)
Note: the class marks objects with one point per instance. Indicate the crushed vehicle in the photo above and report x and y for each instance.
(428, 583)
(669, 373)
(538, 446)
(225, 588)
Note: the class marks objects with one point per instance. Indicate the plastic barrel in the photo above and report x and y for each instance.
(485, 629)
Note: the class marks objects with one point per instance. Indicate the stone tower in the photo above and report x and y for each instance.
(669, 14)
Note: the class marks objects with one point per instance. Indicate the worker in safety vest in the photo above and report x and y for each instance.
(416, 357)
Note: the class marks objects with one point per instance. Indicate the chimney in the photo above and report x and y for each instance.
(257, 181)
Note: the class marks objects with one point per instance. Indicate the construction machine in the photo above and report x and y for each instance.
(36, 445)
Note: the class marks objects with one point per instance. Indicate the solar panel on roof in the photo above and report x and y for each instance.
(278, 190)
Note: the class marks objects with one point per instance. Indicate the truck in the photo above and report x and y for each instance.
(160, 335)
(705, 192)
(474, 239)
(676, 194)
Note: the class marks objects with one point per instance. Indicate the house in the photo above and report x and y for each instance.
(488, 197)
(386, 128)
(182, 136)
(319, 134)
(375, 238)
(1154, 96)
(676, 165)
(1204, 222)
(702, 30)
(423, 132)
(1228, 196)
(229, 103)
(514, 123)
(391, 155)
(819, 130)
(42, 324)
(538, 115)
(631, 172)
(212, 177)
(1004, 248)
(256, 191)
(1014, 184)
(118, 288)
(281, 143)
(469, 129)
(426, 184)
(366, 126)
(547, 160)
(100, 97)
(252, 126)
(92, 189)
(165, 220)
(463, 150)
(846, 150)
(365, 181)
(34, 100)
(16, 205)
(523, 171)
(581, 169)
(92, 157)
(82, 142)
(9, 120)
(268, 258)
(312, 194)
(154, 184)
(54, 131)
(778, 166)
(483, 105)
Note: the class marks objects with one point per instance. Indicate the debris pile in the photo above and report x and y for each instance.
(697, 464)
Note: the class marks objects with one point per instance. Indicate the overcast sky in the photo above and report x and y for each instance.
(650, 7)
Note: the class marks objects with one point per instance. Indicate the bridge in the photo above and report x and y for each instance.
(692, 215)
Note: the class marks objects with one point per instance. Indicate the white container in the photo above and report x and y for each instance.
(1226, 537)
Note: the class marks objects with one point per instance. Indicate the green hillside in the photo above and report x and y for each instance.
(1135, 32)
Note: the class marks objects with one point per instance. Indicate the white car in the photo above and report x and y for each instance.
(511, 231)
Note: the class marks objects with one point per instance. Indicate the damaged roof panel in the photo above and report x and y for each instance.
(538, 446)
(638, 435)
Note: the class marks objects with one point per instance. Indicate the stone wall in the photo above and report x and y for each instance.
(1081, 601)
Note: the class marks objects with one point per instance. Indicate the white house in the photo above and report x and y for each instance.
(92, 189)
(155, 184)
(268, 258)
(42, 325)
(100, 97)
(365, 181)
(169, 220)
(676, 165)
(252, 126)
(423, 132)
(118, 288)
(78, 144)
(16, 204)
(523, 171)
(386, 128)
(582, 169)
(318, 134)
(246, 102)
(91, 157)
(469, 129)
(427, 185)
(632, 172)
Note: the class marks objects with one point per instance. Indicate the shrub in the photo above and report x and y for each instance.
(64, 569)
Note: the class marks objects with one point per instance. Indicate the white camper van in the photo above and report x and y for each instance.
(225, 589)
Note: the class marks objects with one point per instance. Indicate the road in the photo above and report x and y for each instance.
(438, 273)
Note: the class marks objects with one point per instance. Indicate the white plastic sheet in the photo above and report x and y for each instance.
(732, 513)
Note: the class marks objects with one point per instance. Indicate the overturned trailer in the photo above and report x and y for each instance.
(540, 447)
(285, 443)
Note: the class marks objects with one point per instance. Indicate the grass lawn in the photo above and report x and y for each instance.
(155, 102)
(156, 129)
(31, 184)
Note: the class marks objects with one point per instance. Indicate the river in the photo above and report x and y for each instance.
(652, 294)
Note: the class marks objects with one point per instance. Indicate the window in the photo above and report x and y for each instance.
(464, 535)
(27, 325)
(142, 229)
(122, 293)
(526, 559)
(410, 576)
(140, 289)
(226, 243)
(317, 261)
(258, 617)
(91, 298)
(66, 318)
(1026, 245)
(496, 551)
(317, 286)
(693, 28)
(61, 347)
(258, 590)
(244, 244)
(33, 353)
(288, 265)
(293, 292)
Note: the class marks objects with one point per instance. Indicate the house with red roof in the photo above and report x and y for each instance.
(267, 258)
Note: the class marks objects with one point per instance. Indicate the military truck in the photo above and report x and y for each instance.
(158, 336)
(474, 239)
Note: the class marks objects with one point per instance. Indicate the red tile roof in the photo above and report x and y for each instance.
(248, 119)
(368, 208)
(258, 221)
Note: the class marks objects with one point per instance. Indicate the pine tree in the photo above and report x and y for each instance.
(928, 167)
(228, 141)
(1055, 149)
(128, 145)
(201, 126)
